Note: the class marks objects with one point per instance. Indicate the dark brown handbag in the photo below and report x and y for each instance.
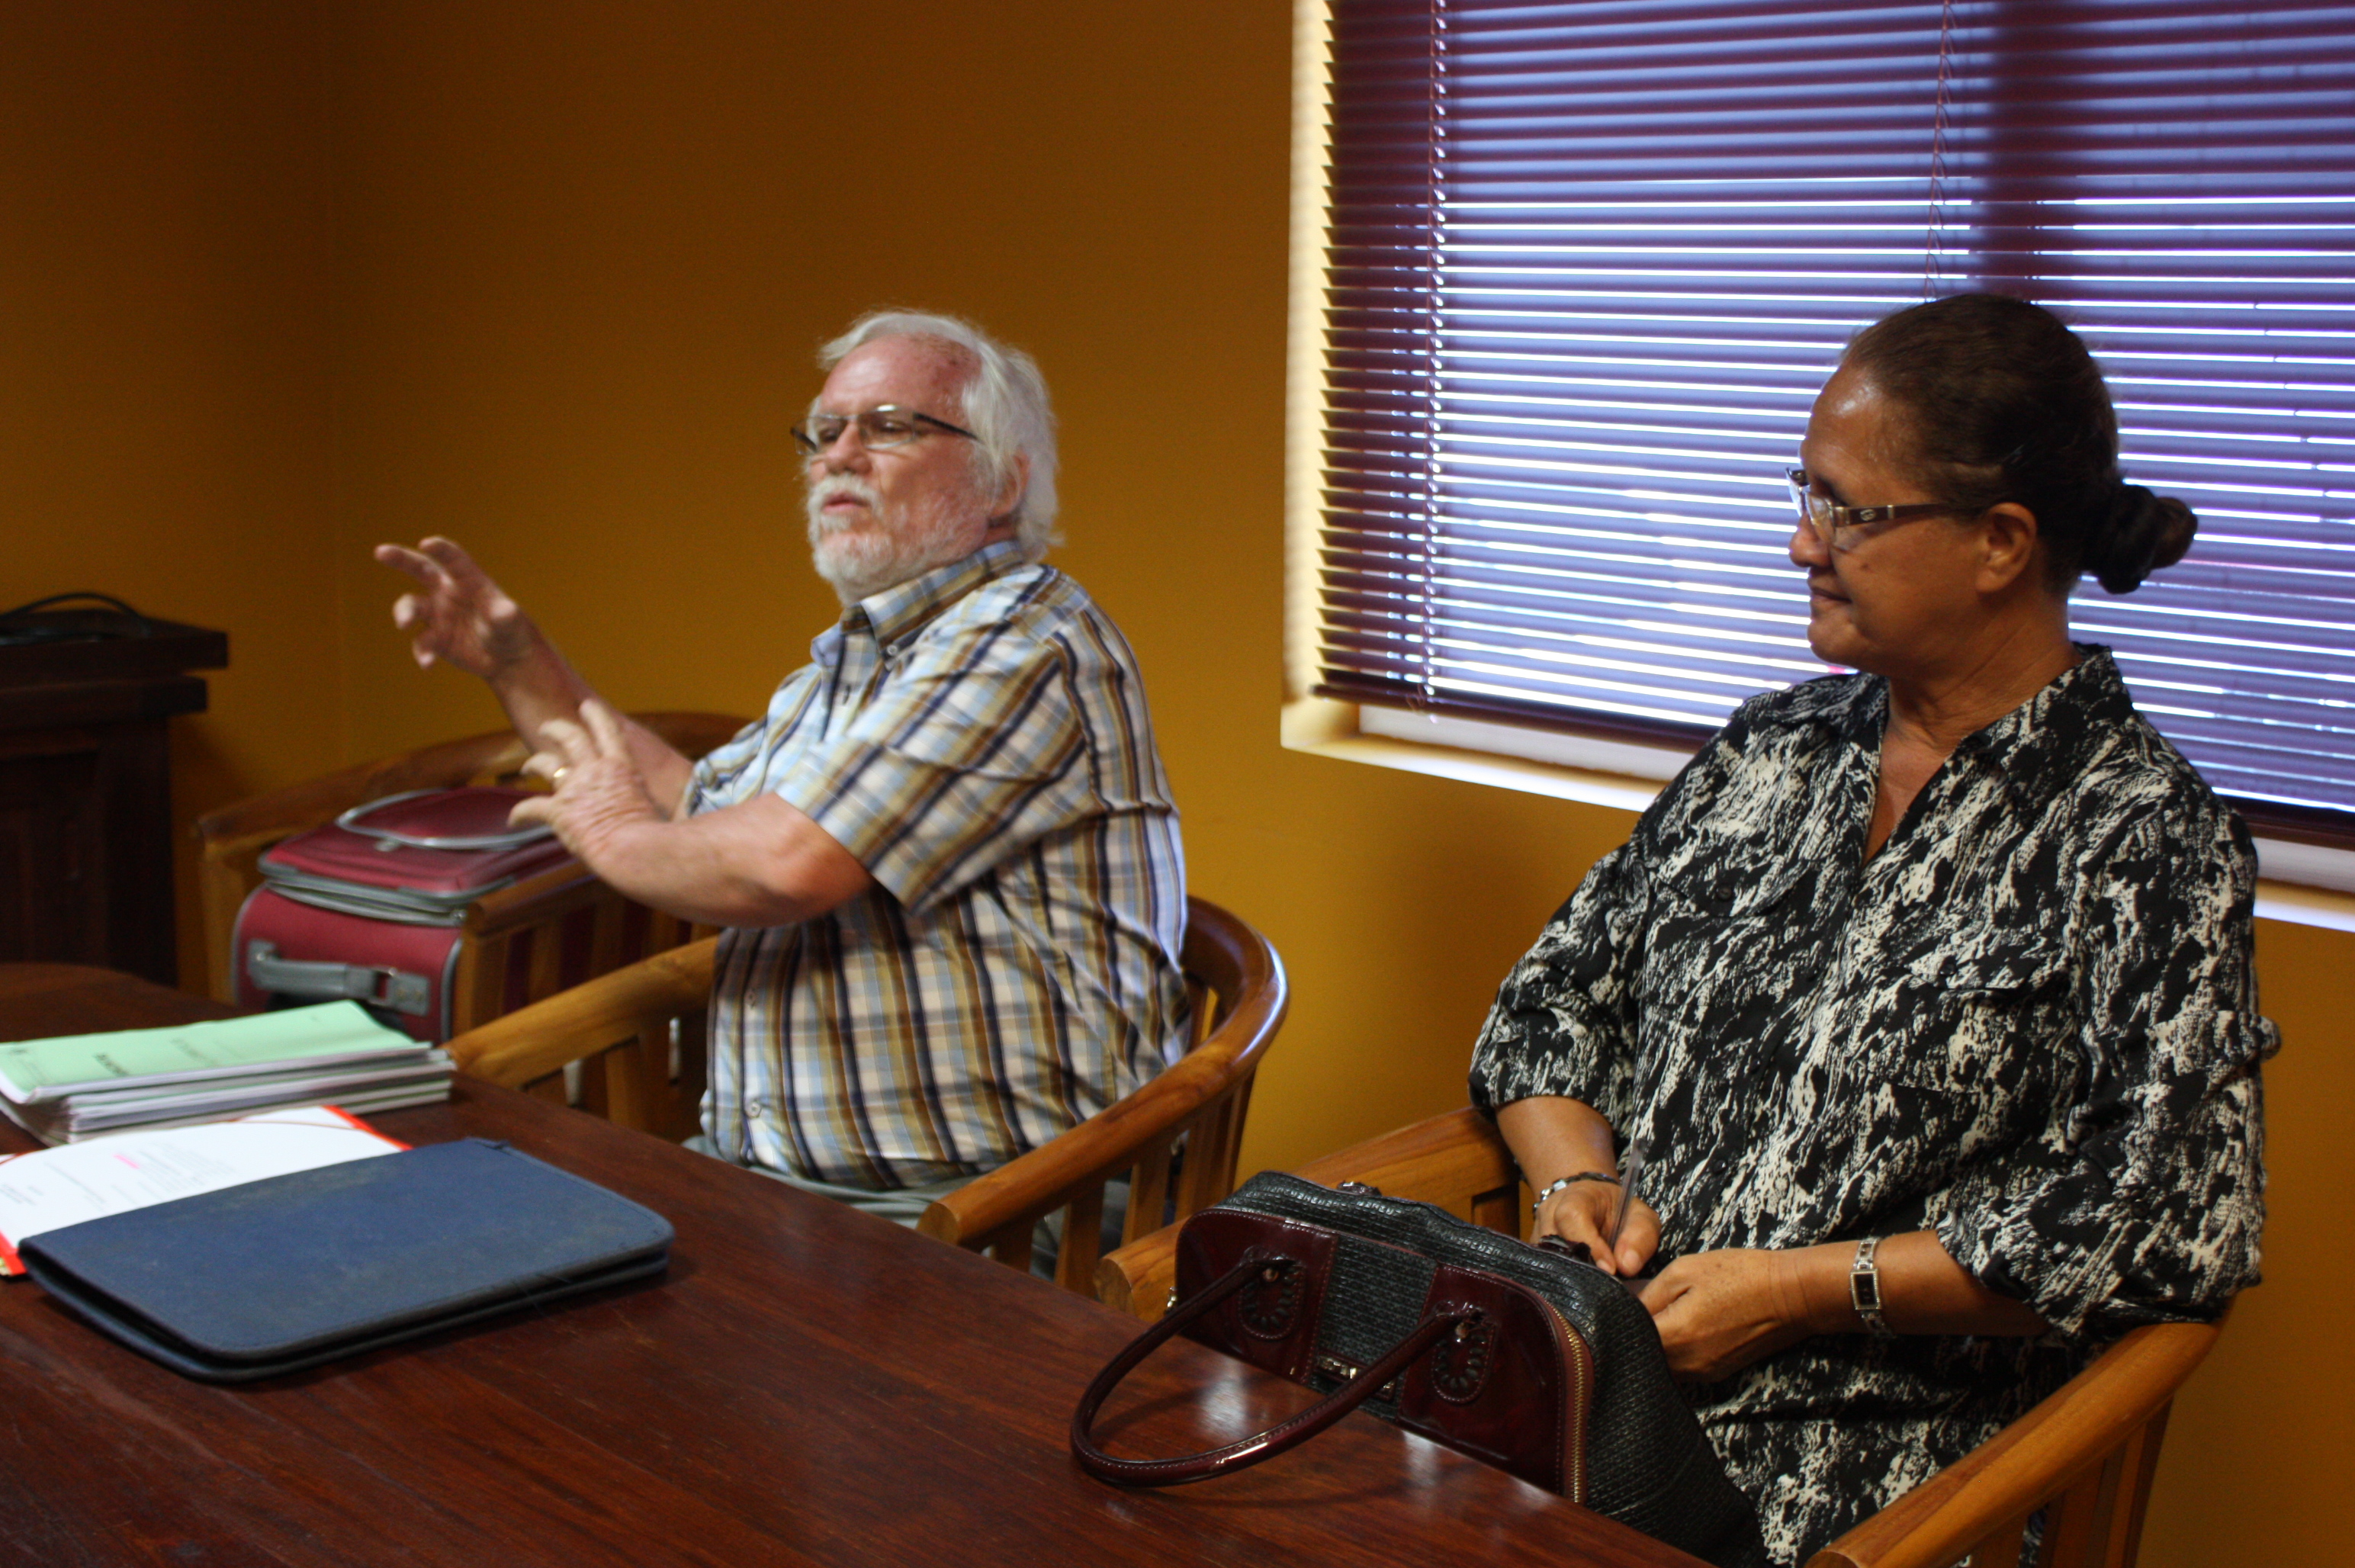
(1525, 1358)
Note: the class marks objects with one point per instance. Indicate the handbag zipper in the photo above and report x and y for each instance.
(1580, 1358)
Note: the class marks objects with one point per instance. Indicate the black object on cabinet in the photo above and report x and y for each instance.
(86, 786)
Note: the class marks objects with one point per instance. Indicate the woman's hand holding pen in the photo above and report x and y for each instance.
(1551, 1137)
(1585, 1214)
(1717, 1311)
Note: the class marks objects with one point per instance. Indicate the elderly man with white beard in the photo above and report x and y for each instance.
(947, 861)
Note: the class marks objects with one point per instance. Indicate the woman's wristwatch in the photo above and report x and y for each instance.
(1540, 1204)
(1864, 1289)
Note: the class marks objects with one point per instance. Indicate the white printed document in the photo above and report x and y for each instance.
(121, 1171)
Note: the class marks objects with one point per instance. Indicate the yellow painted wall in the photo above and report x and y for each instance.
(558, 271)
(163, 420)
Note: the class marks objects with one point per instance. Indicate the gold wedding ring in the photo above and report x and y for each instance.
(557, 778)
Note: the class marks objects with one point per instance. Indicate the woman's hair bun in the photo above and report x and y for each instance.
(2144, 533)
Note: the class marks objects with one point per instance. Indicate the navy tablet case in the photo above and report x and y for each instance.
(284, 1274)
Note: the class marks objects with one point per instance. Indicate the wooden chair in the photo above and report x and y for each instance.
(503, 964)
(632, 1041)
(2086, 1454)
(639, 1034)
(1240, 996)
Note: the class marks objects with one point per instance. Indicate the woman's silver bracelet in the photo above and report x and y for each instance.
(1565, 1181)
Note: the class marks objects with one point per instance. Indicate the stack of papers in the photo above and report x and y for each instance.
(61, 1186)
(71, 1088)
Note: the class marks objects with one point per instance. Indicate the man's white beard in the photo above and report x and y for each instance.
(881, 551)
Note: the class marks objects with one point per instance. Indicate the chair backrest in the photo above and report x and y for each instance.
(628, 1045)
(1240, 996)
(502, 964)
(2084, 1456)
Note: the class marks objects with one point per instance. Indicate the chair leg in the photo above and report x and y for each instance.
(636, 1080)
(606, 953)
(2071, 1525)
(2116, 1485)
(1238, 1115)
(1149, 1191)
(1075, 1264)
(1011, 1246)
(2145, 1465)
(547, 959)
(1208, 1177)
(2002, 1548)
(480, 983)
(690, 1068)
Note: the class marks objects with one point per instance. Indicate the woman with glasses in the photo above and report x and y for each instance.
(1924, 995)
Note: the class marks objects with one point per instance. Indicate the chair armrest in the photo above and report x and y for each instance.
(2033, 1459)
(1038, 1183)
(1137, 1279)
(1449, 1160)
(531, 1042)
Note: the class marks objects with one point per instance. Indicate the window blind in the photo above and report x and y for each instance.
(1589, 264)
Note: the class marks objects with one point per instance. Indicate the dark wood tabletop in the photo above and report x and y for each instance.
(807, 1385)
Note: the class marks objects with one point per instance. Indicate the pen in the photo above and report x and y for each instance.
(1631, 1170)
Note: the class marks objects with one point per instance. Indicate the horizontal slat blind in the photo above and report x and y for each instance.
(2192, 177)
(1589, 264)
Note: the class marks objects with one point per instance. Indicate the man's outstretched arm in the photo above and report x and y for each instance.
(460, 617)
(763, 862)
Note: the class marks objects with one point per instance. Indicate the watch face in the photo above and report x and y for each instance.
(1864, 1280)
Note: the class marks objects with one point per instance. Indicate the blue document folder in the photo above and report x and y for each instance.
(292, 1271)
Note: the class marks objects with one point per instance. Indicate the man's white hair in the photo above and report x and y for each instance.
(1005, 407)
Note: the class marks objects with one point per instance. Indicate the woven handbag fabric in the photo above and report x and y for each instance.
(1373, 1271)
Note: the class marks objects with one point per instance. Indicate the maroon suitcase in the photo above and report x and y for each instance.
(373, 906)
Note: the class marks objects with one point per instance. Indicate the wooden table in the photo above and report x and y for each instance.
(808, 1385)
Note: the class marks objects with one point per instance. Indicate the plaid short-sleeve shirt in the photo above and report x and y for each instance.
(977, 739)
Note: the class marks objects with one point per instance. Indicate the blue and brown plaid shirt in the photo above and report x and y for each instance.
(977, 738)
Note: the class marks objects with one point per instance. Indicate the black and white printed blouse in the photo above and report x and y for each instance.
(2029, 1023)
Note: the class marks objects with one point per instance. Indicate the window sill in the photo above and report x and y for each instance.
(1625, 778)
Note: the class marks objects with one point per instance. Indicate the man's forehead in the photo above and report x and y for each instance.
(914, 372)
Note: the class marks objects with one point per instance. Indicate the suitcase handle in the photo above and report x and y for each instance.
(394, 988)
(513, 838)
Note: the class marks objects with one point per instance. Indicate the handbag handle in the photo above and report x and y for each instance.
(1244, 1451)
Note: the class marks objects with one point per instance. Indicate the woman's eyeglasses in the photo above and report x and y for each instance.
(1836, 524)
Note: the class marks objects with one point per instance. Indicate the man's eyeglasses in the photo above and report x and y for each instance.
(1836, 524)
(879, 428)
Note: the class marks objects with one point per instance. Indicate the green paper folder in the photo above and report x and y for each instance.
(33, 1071)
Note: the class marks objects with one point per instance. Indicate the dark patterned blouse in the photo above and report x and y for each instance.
(2029, 1023)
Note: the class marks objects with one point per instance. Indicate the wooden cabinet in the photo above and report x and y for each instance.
(86, 789)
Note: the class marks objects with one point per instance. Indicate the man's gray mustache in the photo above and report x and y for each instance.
(827, 490)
